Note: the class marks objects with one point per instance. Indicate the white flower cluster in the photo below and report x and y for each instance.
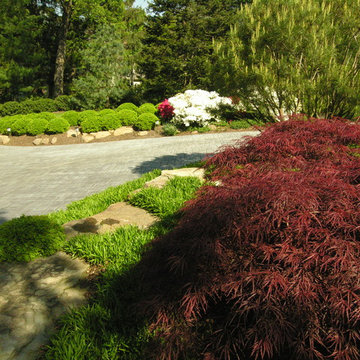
(192, 107)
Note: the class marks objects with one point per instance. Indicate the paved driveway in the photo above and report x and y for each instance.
(38, 180)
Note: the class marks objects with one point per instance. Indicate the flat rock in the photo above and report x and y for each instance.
(166, 175)
(33, 296)
(37, 141)
(101, 134)
(123, 131)
(4, 139)
(115, 216)
(87, 138)
(142, 133)
(53, 140)
(212, 127)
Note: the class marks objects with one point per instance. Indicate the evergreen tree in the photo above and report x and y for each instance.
(178, 44)
(293, 56)
(22, 58)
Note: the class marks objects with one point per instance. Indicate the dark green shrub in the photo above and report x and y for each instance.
(146, 121)
(110, 120)
(72, 117)
(64, 103)
(128, 106)
(58, 126)
(10, 108)
(36, 125)
(29, 237)
(127, 117)
(169, 130)
(87, 114)
(19, 127)
(147, 108)
(91, 124)
(37, 106)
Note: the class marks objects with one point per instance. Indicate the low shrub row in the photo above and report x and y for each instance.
(61, 103)
(89, 120)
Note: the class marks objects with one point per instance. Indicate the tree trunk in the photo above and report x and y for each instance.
(61, 50)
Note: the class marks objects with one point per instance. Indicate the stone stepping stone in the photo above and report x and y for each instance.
(115, 216)
(166, 175)
(32, 297)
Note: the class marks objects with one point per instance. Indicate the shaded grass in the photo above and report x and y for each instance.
(107, 328)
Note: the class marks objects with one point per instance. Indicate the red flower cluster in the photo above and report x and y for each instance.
(267, 264)
(166, 110)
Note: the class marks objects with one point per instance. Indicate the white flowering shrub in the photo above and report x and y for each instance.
(193, 107)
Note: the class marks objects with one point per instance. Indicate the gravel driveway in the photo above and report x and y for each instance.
(38, 180)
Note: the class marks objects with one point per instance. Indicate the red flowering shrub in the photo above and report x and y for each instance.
(267, 264)
(166, 110)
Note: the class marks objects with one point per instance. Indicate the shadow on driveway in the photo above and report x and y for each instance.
(168, 162)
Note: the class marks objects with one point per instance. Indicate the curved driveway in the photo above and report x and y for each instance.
(38, 180)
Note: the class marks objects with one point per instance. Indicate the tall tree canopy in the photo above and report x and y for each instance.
(179, 43)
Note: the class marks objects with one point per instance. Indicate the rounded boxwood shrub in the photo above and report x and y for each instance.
(127, 117)
(37, 106)
(29, 237)
(91, 123)
(266, 264)
(147, 108)
(128, 106)
(145, 121)
(72, 117)
(87, 114)
(43, 115)
(6, 122)
(57, 126)
(19, 126)
(110, 121)
(36, 125)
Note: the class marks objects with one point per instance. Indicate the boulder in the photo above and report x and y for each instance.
(37, 141)
(143, 133)
(123, 131)
(4, 139)
(45, 141)
(212, 127)
(53, 140)
(72, 133)
(101, 134)
(87, 138)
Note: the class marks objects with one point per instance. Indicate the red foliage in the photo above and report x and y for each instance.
(266, 265)
(166, 110)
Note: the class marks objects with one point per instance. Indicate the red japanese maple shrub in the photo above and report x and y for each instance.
(267, 264)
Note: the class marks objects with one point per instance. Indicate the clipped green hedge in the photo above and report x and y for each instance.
(91, 123)
(110, 120)
(37, 126)
(29, 237)
(128, 106)
(72, 117)
(127, 117)
(58, 126)
(145, 122)
(61, 103)
(147, 108)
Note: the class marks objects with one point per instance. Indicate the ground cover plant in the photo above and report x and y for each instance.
(264, 264)
(29, 237)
